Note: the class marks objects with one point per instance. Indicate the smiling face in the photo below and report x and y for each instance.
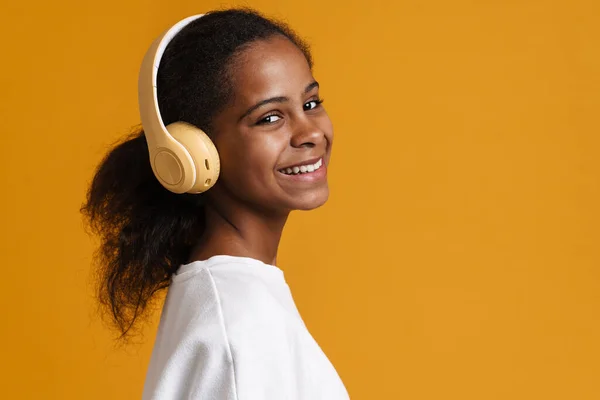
(274, 137)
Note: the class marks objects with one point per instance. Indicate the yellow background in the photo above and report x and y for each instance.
(458, 255)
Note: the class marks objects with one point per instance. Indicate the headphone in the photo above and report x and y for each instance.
(182, 156)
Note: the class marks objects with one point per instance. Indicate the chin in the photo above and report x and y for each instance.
(312, 201)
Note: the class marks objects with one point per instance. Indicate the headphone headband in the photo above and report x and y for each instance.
(154, 127)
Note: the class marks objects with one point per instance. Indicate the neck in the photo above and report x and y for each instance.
(240, 232)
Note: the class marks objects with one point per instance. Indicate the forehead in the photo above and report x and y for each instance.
(268, 68)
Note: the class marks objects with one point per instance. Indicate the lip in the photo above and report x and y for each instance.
(310, 177)
(307, 162)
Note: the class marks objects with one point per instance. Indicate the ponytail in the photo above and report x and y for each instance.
(146, 231)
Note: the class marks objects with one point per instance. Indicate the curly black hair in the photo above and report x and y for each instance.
(146, 231)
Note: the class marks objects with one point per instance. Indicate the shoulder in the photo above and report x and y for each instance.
(249, 295)
(234, 291)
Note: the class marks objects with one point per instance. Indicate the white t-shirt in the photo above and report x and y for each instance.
(230, 330)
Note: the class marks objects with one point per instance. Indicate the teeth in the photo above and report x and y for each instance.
(303, 168)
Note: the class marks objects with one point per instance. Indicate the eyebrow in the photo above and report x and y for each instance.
(278, 99)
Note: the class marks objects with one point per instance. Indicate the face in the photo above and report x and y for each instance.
(274, 137)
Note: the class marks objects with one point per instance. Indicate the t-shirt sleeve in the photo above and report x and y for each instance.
(193, 360)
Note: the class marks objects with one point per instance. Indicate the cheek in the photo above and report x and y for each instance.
(250, 163)
(326, 126)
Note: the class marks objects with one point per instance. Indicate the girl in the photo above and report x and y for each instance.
(231, 89)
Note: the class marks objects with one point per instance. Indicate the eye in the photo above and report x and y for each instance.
(269, 119)
(311, 105)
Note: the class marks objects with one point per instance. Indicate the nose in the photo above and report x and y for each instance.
(306, 133)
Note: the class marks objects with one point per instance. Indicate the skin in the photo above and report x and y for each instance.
(248, 207)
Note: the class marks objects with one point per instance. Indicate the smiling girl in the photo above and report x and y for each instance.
(241, 87)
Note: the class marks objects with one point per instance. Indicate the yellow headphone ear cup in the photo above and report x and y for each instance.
(204, 154)
(173, 166)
